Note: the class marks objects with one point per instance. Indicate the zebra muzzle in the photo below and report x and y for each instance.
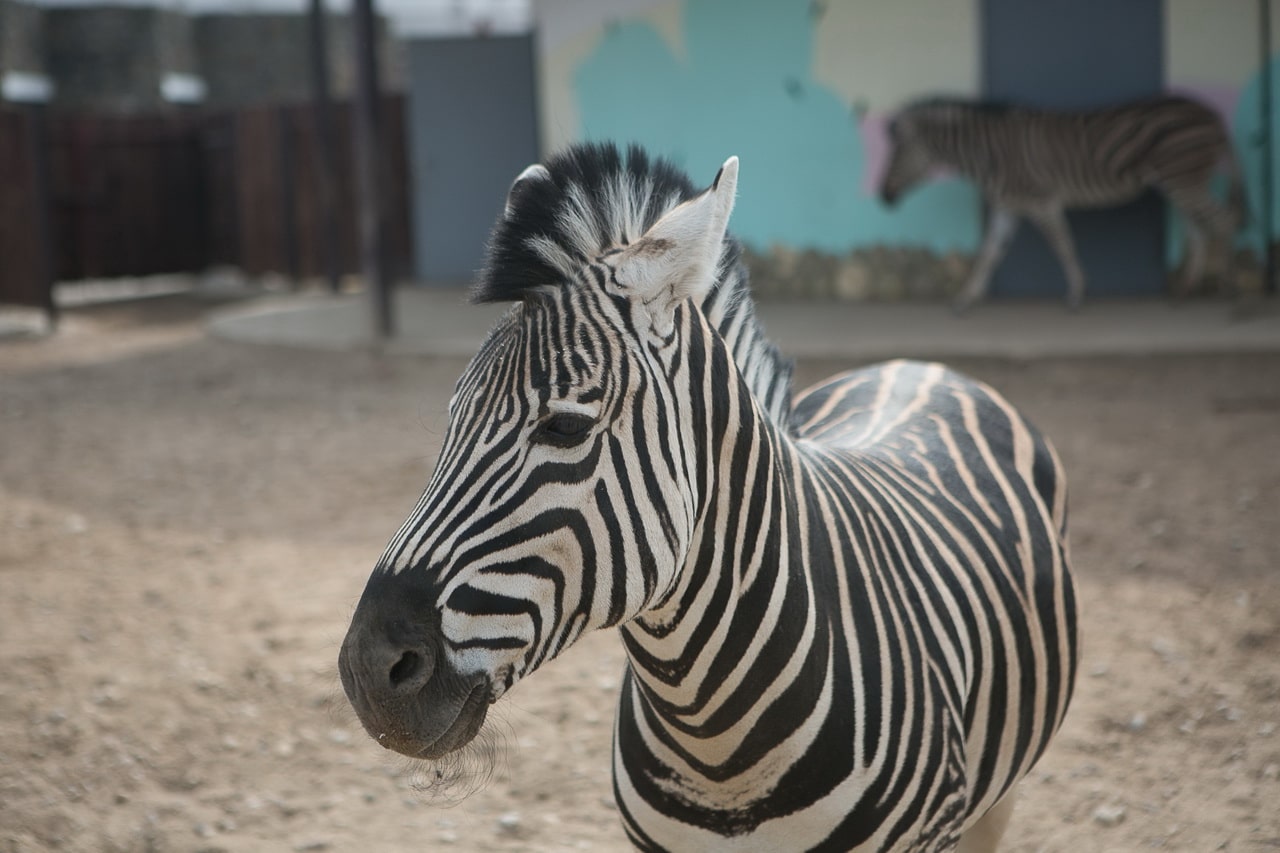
(403, 689)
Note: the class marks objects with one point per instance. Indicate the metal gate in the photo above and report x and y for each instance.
(146, 194)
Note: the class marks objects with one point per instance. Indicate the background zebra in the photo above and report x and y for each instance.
(1038, 163)
(850, 623)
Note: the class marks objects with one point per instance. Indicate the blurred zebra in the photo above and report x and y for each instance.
(1039, 163)
(849, 623)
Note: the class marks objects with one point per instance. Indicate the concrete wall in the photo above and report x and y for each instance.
(137, 58)
(21, 38)
(801, 91)
(798, 90)
(261, 58)
(104, 57)
(1212, 53)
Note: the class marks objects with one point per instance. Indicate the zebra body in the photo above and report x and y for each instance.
(1039, 163)
(849, 623)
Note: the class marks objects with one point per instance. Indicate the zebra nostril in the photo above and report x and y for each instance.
(406, 669)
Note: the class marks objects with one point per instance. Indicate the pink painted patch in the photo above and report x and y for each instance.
(877, 149)
(1221, 99)
(874, 128)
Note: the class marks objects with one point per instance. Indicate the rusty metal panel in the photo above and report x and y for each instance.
(180, 192)
(24, 279)
(130, 196)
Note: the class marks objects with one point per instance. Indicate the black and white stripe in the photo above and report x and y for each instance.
(1038, 163)
(849, 622)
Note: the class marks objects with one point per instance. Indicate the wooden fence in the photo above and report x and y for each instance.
(138, 195)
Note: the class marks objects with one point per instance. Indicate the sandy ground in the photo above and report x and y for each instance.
(185, 526)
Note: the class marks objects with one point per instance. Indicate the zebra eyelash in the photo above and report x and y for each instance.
(563, 429)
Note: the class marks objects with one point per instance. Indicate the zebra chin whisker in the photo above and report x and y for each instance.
(448, 781)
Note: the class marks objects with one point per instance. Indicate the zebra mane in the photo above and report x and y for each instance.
(966, 105)
(596, 198)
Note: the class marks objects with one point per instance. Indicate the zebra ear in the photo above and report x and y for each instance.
(536, 172)
(678, 257)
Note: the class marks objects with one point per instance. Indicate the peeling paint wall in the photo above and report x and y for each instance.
(1212, 53)
(797, 90)
(801, 91)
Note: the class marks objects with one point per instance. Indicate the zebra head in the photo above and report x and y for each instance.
(909, 159)
(919, 135)
(565, 494)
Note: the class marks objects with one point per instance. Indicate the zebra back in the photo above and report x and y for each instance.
(1077, 157)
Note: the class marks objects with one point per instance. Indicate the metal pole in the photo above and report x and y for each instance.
(322, 108)
(367, 138)
(38, 145)
(1268, 145)
(288, 193)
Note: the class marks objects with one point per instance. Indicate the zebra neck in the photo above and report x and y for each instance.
(731, 310)
(741, 613)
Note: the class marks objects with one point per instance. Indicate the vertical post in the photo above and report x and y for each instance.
(38, 142)
(326, 146)
(1268, 145)
(367, 138)
(287, 186)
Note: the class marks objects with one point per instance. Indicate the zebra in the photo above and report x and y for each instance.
(849, 620)
(1039, 163)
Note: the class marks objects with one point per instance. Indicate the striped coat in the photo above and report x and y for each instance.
(1037, 164)
(849, 622)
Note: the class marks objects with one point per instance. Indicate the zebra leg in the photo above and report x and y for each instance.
(984, 836)
(1052, 222)
(1206, 220)
(1000, 229)
(1193, 264)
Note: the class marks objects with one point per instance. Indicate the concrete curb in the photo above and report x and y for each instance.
(440, 322)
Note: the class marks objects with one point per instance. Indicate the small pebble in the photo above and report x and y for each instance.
(1164, 648)
(1138, 722)
(509, 823)
(1108, 815)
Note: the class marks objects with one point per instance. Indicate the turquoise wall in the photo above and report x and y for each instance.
(1248, 127)
(745, 87)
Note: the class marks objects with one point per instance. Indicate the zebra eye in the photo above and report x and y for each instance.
(563, 429)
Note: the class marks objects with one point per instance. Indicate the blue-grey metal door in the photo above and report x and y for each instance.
(473, 128)
(1079, 54)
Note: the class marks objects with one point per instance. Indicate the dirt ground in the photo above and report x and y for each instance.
(186, 524)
